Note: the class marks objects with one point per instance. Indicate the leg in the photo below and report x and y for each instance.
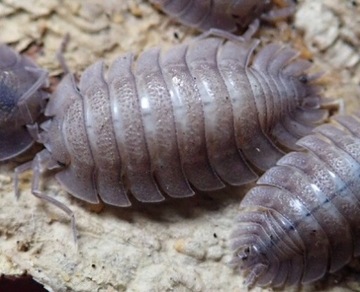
(221, 34)
(60, 54)
(17, 172)
(280, 13)
(41, 163)
(246, 36)
(34, 132)
(336, 105)
(42, 81)
(33, 101)
(251, 31)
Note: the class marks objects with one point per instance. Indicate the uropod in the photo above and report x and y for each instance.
(199, 116)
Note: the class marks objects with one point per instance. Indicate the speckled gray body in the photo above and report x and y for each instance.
(170, 122)
(302, 219)
(229, 15)
(22, 100)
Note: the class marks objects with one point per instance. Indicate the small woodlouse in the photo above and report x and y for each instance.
(302, 219)
(22, 99)
(168, 123)
(228, 15)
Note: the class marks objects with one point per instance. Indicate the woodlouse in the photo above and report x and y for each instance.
(302, 219)
(22, 99)
(173, 121)
(228, 15)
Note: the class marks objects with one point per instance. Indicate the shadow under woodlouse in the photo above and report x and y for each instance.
(187, 208)
(302, 219)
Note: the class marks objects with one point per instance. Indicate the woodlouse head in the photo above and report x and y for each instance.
(22, 101)
(252, 261)
(250, 256)
(267, 246)
(304, 83)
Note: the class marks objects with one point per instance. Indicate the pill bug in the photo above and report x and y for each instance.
(22, 99)
(228, 15)
(302, 219)
(174, 121)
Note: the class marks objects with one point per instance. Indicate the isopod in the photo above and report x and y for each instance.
(228, 15)
(302, 219)
(175, 121)
(22, 100)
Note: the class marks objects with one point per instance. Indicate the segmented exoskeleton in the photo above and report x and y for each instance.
(228, 15)
(199, 116)
(22, 100)
(302, 219)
